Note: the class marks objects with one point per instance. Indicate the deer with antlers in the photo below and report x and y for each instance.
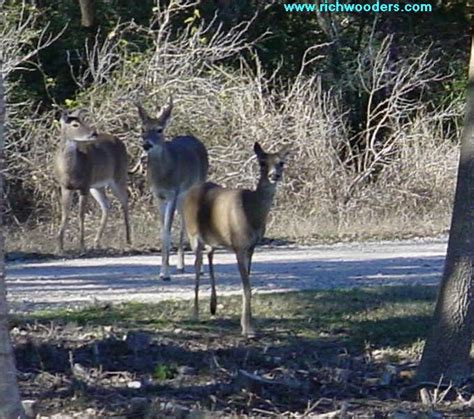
(172, 168)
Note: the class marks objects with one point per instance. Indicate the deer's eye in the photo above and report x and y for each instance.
(75, 124)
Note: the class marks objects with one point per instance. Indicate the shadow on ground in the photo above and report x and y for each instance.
(315, 351)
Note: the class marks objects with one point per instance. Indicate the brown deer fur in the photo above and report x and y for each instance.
(235, 219)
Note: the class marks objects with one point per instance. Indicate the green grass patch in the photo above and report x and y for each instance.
(382, 316)
(164, 372)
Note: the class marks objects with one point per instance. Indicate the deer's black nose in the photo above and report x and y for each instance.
(147, 146)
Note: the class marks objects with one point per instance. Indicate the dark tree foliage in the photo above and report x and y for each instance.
(291, 34)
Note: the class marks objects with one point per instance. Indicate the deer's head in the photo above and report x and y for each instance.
(271, 164)
(73, 127)
(153, 128)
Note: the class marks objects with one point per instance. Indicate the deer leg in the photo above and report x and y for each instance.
(180, 264)
(250, 255)
(246, 319)
(66, 199)
(210, 258)
(166, 222)
(82, 213)
(120, 191)
(162, 207)
(197, 247)
(99, 195)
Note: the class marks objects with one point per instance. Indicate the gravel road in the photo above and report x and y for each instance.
(76, 282)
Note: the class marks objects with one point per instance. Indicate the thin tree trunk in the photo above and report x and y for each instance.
(87, 13)
(447, 349)
(10, 404)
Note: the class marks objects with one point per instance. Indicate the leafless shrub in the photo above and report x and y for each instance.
(394, 90)
(20, 42)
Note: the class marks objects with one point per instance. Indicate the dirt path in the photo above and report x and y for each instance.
(36, 285)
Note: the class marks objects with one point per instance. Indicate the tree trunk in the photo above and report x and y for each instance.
(447, 349)
(10, 404)
(87, 13)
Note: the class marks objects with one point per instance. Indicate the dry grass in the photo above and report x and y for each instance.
(284, 226)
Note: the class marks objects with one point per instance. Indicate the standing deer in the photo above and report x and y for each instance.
(235, 219)
(173, 167)
(89, 162)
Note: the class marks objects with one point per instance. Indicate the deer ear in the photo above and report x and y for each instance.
(142, 113)
(257, 148)
(81, 113)
(64, 115)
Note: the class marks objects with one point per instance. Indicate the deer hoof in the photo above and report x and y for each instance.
(249, 333)
(165, 278)
(213, 306)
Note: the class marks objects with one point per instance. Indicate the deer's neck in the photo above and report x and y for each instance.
(72, 163)
(160, 159)
(263, 199)
(70, 152)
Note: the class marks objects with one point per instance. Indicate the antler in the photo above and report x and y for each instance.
(165, 112)
(141, 111)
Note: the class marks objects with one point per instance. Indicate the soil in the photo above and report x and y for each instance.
(40, 284)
